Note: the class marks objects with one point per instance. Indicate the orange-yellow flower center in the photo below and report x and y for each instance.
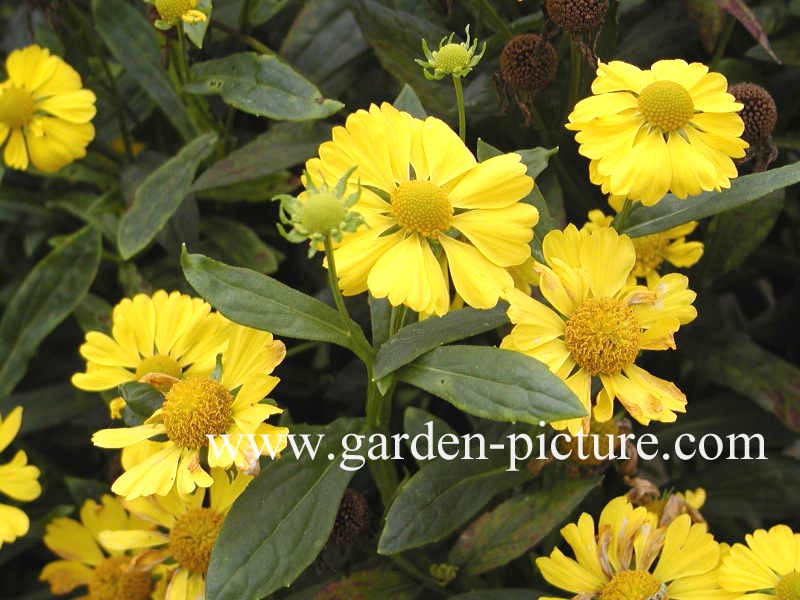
(602, 335)
(114, 578)
(192, 538)
(422, 207)
(788, 587)
(633, 585)
(194, 408)
(173, 10)
(666, 104)
(16, 106)
(158, 363)
(650, 253)
(451, 57)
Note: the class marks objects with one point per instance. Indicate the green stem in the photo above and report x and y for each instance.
(181, 66)
(722, 44)
(379, 414)
(462, 119)
(575, 77)
(300, 348)
(242, 37)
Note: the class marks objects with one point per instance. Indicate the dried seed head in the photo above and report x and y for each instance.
(528, 62)
(759, 113)
(351, 520)
(577, 16)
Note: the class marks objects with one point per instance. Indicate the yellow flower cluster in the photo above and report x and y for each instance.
(154, 539)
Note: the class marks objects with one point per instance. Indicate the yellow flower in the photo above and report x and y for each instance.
(115, 574)
(157, 339)
(44, 111)
(174, 11)
(430, 208)
(187, 532)
(767, 568)
(197, 407)
(672, 128)
(600, 324)
(18, 480)
(629, 557)
(654, 250)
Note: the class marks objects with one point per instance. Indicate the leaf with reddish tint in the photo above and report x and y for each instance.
(745, 367)
(375, 584)
(515, 526)
(745, 16)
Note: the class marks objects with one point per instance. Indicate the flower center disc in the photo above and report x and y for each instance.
(16, 106)
(788, 587)
(192, 538)
(194, 408)
(633, 585)
(666, 104)
(173, 10)
(603, 336)
(650, 251)
(451, 57)
(422, 207)
(322, 212)
(159, 364)
(112, 580)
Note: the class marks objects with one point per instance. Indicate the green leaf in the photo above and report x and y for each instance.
(240, 245)
(494, 384)
(160, 195)
(671, 211)
(47, 295)
(380, 313)
(536, 159)
(416, 339)
(442, 496)
(197, 31)
(500, 594)
(98, 211)
(256, 300)
(745, 16)
(261, 85)
(734, 235)
(415, 423)
(517, 525)
(132, 41)
(281, 522)
(375, 584)
(48, 406)
(262, 11)
(408, 101)
(142, 398)
(284, 145)
(745, 367)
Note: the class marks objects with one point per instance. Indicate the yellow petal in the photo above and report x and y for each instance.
(9, 427)
(16, 155)
(502, 235)
(75, 107)
(618, 76)
(156, 475)
(479, 282)
(125, 436)
(128, 539)
(356, 256)
(494, 183)
(71, 540)
(19, 480)
(63, 576)
(98, 378)
(54, 143)
(446, 156)
(608, 259)
(103, 350)
(14, 523)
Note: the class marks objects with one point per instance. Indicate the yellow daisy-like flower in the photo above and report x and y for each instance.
(155, 339)
(45, 112)
(430, 209)
(629, 557)
(767, 568)
(18, 480)
(116, 574)
(600, 324)
(197, 407)
(175, 11)
(654, 250)
(672, 128)
(187, 532)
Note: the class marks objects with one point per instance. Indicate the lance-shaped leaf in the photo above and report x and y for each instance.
(416, 339)
(261, 85)
(494, 384)
(160, 195)
(672, 211)
(281, 522)
(46, 296)
(132, 41)
(375, 584)
(442, 496)
(745, 16)
(516, 525)
(259, 301)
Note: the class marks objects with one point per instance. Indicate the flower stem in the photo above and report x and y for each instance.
(722, 44)
(621, 220)
(462, 119)
(181, 67)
